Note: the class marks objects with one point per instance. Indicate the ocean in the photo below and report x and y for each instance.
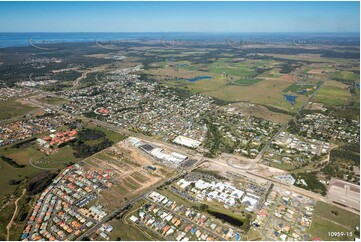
(23, 39)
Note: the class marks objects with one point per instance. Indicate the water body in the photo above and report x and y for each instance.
(198, 78)
(302, 92)
(226, 218)
(289, 98)
(22, 39)
(182, 65)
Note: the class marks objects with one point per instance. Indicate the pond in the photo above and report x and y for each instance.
(302, 91)
(289, 98)
(182, 65)
(198, 78)
(226, 218)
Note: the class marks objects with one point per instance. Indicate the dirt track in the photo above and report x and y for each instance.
(13, 217)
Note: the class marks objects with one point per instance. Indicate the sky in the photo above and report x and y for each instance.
(179, 16)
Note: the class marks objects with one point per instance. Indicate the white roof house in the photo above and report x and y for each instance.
(133, 140)
(200, 184)
(183, 183)
(212, 195)
(231, 202)
(179, 156)
(187, 142)
(157, 152)
(250, 201)
(237, 193)
(133, 218)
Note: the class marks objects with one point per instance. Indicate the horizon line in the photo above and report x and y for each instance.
(156, 32)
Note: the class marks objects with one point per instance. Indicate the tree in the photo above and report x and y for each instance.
(203, 207)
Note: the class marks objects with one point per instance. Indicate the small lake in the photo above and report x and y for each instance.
(302, 92)
(198, 78)
(182, 65)
(289, 98)
(226, 218)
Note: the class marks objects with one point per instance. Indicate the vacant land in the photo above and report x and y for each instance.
(333, 93)
(123, 230)
(346, 76)
(12, 108)
(250, 109)
(53, 100)
(130, 176)
(328, 218)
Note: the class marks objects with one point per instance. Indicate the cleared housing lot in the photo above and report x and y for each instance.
(344, 193)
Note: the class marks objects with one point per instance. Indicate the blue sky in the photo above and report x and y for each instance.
(179, 16)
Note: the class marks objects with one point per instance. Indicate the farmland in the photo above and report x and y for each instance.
(260, 81)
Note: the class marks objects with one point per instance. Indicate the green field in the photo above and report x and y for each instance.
(346, 76)
(234, 79)
(11, 108)
(296, 88)
(53, 100)
(320, 228)
(225, 66)
(328, 218)
(247, 81)
(113, 136)
(344, 217)
(333, 93)
(39, 162)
